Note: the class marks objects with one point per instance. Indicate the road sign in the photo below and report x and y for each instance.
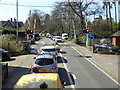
(90, 35)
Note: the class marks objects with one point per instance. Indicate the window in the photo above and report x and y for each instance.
(49, 50)
(44, 61)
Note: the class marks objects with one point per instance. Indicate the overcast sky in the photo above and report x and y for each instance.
(8, 8)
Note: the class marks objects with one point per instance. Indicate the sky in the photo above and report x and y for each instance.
(8, 8)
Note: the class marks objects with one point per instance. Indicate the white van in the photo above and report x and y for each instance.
(65, 36)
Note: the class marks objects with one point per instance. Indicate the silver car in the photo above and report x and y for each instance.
(44, 63)
(50, 49)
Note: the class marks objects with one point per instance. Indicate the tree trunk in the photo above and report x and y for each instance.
(115, 13)
(110, 18)
(106, 13)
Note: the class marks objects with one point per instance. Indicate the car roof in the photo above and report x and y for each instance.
(3, 50)
(45, 55)
(35, 80)
(57, 36)
(48, 47)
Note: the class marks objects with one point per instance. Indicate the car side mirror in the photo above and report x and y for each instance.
(34, 58)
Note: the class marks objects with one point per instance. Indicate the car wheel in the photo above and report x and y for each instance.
(110, 50)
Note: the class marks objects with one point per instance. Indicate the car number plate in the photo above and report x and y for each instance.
(43, 70)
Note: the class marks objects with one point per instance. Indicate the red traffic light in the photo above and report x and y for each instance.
(86, 31)
(31, 31)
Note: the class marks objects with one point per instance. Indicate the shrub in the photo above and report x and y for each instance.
(15, 49)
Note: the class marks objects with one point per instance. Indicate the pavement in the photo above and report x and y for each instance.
(107, 62)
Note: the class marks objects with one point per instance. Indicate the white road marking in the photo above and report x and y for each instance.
(74, 76)
(33, 46)
(65, 58)
(97, 67)
(110, 63)
(68, 74)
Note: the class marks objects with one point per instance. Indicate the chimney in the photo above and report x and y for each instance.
(11, 19)
(14, 20)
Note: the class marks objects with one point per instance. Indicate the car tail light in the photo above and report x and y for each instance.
(7, 54)
(56, 53)
(55, 67)
(33, 67)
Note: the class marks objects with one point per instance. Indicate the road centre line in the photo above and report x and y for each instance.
(72, 86)
(97, 66)
(63, 48)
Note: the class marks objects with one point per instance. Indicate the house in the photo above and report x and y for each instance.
(11, 23)
(116, 39)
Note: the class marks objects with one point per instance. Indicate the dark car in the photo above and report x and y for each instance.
(5, 54)
(107, 47)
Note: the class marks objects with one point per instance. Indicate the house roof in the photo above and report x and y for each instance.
(8, 22)
(117, 33)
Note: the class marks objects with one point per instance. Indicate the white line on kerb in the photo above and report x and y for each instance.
(97, 67)
(74, 76)
(72, 86)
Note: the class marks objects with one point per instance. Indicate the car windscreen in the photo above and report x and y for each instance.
(65, 36)
(44, 61)
(49, 50)
(58, 37)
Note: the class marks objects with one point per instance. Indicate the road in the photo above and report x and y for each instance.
(73, 67)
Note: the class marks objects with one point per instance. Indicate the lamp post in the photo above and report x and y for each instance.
(17, 21)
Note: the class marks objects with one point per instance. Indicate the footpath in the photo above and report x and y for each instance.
(107, 62)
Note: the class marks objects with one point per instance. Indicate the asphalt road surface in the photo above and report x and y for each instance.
(73, 67)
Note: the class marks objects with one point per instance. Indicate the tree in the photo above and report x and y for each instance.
(47, 23)
(81, 7)
(110, 16)
(105, 7)
(115, 10)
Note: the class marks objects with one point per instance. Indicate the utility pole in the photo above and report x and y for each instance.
(74, 31)
(17, 21)
(86, 28)
(119, 13)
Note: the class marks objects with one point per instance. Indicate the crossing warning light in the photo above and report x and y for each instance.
(29, 31)
(86, 31)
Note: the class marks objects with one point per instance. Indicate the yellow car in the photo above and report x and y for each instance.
(41, 80)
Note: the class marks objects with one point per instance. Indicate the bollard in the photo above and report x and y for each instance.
(6, 70)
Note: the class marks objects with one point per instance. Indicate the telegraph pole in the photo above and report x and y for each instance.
(74, 31)
(17, 21)
(86, 28)
(119, 14)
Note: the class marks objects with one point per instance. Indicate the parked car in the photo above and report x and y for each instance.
(41, 81)
(64, 36)
(5, 55)
(44, 63)
(50, 49)
(58, 39)
(53, 38)
(106, 47)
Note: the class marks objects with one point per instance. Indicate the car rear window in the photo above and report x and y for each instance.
(65, 35)
(49, 50)
(58, 37)
(44, 61)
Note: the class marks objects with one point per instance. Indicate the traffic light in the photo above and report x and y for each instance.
(31, 31)
(86, 31)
